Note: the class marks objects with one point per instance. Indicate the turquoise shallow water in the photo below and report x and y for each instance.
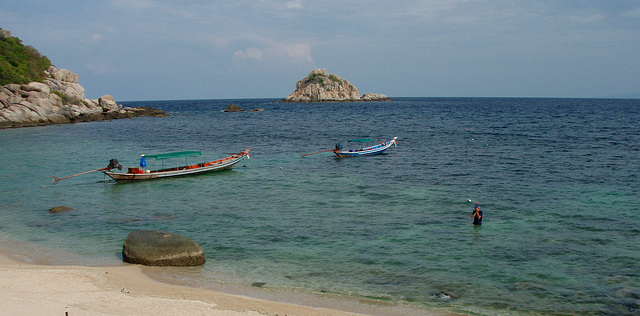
(557, 179)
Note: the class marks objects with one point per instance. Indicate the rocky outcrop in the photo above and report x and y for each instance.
(158, 248)
(375, 97)
(318, 86)
(58, 100)
(5, 33)
(59, 209)
(235, 108)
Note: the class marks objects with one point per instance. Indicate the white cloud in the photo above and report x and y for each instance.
(133, 4)
(290, 53)
(100, 67)
(249, 53)
(298, 53)
(96, 37)
(633, 13)
(430, 10)
(295, 4)
(588, 19)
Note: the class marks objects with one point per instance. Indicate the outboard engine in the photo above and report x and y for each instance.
(113, 163)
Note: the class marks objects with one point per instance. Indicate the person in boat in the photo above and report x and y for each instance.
(338, 148)
(477, 215)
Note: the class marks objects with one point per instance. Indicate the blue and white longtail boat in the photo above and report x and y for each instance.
(371, 150)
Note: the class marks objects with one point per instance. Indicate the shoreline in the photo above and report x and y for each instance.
(121, 290)
(36, 289)
(124, 113)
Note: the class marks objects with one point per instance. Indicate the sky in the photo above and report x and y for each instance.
(140, 50)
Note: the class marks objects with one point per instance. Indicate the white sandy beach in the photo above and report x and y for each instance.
(30, 289)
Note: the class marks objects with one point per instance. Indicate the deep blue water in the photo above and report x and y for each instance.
(557, 180)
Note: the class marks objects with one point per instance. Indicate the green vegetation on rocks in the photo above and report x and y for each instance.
(34, 92)
(315, 78)
(67, 99)
(20, 64)
(319, 86)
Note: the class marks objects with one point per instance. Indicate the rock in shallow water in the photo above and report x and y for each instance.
(158, 248)
(59, 209)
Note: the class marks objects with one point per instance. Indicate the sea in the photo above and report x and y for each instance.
(558, 181)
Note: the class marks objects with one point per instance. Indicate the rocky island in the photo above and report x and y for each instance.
(46, 95)
(319, 86)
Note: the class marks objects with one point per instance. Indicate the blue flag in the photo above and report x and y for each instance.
(143, 162)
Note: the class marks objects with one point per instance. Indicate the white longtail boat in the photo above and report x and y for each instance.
(370, 150)
(140, 174)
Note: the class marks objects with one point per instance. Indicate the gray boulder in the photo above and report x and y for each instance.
(66, 112)
(15, 88)
(63, 75)
(107, 103)
(375, 97)
(39, 86)
(58, 119)
(158, 248)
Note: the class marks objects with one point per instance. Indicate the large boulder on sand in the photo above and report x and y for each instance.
(158, 248)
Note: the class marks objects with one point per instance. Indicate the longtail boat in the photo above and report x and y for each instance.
(371, 150)
(363, 151)
(140, 174)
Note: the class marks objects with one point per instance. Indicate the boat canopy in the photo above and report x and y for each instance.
(361, 140)
(176, 154)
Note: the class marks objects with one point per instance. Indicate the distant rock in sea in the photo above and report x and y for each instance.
(59, 209)
(235, 108)
(318, 86)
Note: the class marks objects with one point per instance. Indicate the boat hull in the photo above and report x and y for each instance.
(212, 166)
(368, 151)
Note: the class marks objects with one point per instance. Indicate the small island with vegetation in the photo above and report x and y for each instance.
(319, 86)
(34, 92)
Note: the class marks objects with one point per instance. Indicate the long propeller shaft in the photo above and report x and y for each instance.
(324, 151)
(56, 179)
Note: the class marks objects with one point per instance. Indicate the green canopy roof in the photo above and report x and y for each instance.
(176, 154)
(361, 140)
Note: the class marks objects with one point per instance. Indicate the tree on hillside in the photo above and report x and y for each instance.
(20, 64)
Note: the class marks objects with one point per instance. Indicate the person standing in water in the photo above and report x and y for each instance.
(477, 215)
